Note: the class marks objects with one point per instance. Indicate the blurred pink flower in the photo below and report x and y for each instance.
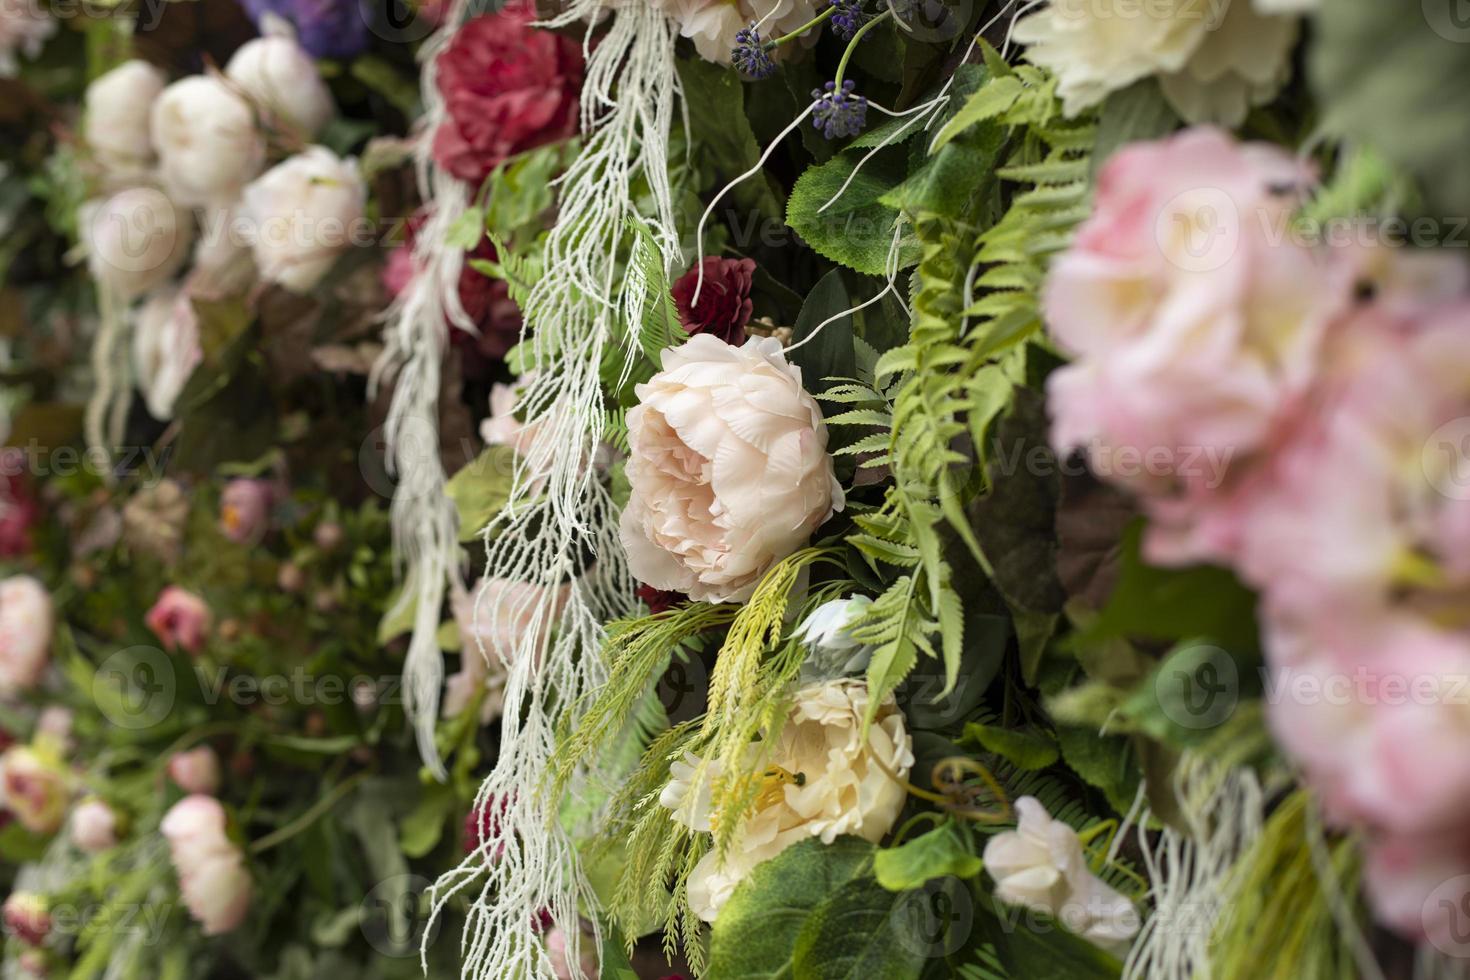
(245, 509)
(196, 771)
(180, 619)
(212, 876)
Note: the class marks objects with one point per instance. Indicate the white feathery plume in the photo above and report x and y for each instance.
(1224, 812)
(424, 521)
(105, 418)
(561, 526)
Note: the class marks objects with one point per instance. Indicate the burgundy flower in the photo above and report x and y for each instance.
(660, 600)
(507, 88)
(724, 300)
(486, 300)
(18, 508)
(483, 824)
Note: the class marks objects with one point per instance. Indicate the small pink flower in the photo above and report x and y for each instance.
(27, 917)
(35, 787)
(213, 879)
(245, 509)
(26, 624)
(93, 826)
(196, 771)
(180, 619)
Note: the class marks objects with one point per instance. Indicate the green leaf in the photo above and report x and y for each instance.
(1383, 74)
(725, 142)
(940, 852)
(856, 230)
(398, 87)
(830, 354)
(854, 935)
(521, 192)
(1031, 945)
(1028, 749)
(480, 489)
(992, 99)
(1104, 761)
(1138, 112)
(466, 231)
(756, 933)
(421, 830)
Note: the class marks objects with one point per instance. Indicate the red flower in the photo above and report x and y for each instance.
(18, 507)
(660, 600)
(724, 301)
(482, 826)
(486, 300)
(507, 88)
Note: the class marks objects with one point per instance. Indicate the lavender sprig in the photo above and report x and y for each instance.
(749, 54)
(848, 17)
(838, 112)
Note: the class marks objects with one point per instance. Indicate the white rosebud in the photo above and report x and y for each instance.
(93, 826)
(282, 78)
(207, 142)
(119, 108)
(302, 214)
(165, 349)
(831, 650)
(1040, 865)
(26, 621)
(134, 240)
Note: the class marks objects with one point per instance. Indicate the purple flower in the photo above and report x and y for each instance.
(750, 56)
(848, 18)
(326, 28)
(838, 112)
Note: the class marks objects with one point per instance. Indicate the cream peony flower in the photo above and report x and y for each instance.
(26, 622)
(212, 876)
(165, 349)
(302, 213)
(117, 125)
(1040, 865)
(822, 779)
(1216, 58)
(729, 469)
(207, 142)
(280, 77)
(712, 24)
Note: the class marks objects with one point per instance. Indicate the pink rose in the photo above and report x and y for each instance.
(93, 826)
(493, 617)
(1197, 322)
(26, 623)
(245, 509)
(558, 951)
(180, 619)
(1411, 887)
(196, 771)
(508, 88)
(212, 875)
(729, 469)
(35, 787)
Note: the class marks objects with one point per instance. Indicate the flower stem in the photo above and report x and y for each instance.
(852, 45)
(814, 22)
(303, 822)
